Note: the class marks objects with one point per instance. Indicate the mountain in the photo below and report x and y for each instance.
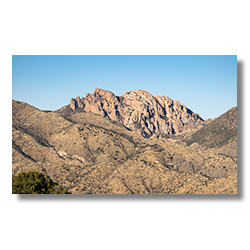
(138, 110)
(87, 153)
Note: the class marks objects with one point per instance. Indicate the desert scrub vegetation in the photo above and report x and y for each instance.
(35, 183)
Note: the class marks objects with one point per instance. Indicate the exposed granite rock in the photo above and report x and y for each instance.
(140, 111)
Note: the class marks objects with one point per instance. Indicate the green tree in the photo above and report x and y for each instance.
(35, 183)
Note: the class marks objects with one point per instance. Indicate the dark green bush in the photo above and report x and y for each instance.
(35, 183)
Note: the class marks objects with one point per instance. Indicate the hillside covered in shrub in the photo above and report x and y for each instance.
(32, 182)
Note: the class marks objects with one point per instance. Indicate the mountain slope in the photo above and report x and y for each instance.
(137, 110)
(87, 153)
(220, 134)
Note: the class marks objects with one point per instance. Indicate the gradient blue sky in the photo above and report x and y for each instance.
(205, 84)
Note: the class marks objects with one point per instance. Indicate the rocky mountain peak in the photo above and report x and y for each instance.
(138, 110)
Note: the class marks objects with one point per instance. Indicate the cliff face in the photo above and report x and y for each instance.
(138, 110)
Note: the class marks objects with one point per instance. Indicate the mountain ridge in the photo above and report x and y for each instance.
(218, 134)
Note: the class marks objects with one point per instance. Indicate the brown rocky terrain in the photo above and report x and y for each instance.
(87, 153)
(137, 110)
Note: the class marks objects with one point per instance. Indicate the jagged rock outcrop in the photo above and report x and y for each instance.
(73, 104)
(138, 110)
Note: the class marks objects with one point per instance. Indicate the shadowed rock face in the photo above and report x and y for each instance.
(138, 110)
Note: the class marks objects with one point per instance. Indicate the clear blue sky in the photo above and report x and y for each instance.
(205, 84)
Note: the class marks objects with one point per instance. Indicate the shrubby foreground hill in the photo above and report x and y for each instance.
(87, 153)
